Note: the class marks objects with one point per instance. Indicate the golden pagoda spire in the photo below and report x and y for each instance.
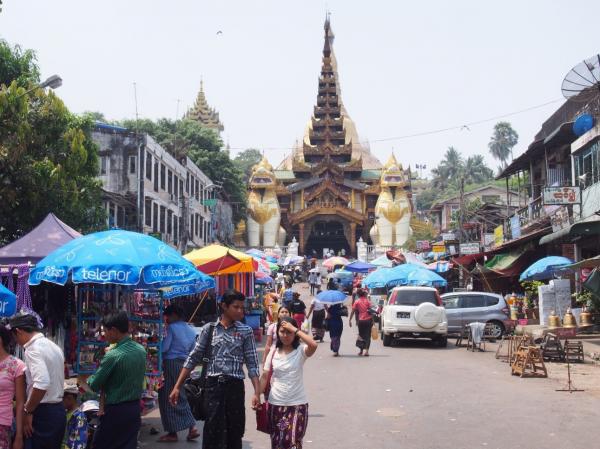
(203, 113)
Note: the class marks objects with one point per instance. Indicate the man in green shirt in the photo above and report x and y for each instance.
(121, 378)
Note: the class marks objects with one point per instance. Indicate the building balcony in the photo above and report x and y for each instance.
(328, 134)
(530, 217)
(327, 110)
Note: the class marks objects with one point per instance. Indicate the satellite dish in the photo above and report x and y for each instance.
(582, 83)
(583, 124)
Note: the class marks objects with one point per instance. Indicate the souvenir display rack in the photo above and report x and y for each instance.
(144, 308)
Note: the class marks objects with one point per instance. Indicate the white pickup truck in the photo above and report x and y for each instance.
(414, 312)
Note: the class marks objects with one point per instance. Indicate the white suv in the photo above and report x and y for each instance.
(414, 312)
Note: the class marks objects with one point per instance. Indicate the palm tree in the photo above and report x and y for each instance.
(502, 142)
(476, 171)
(449, 169)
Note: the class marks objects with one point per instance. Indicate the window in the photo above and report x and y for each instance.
(148, 166)
(103, 165)
(197, 225)
(491, 301)
(191, 225)
(181, 187)
(154, 217)
(170, 181)
(450, 302)
(155, 176)
(408, 297)
(587, 162)
(197, 189)
(192, 186)
(176, 186)
(148, 211)
(169, 222)
(175, 229)
(162, 218)
(163, 173)
(472, 301)
(202, 224)
(132, 164)
(187, 183)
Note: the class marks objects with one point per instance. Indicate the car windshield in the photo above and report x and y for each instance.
(412, 297)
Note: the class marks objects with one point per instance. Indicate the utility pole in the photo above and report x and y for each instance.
(461, 213)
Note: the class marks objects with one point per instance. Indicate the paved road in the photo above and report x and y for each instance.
(416, 396)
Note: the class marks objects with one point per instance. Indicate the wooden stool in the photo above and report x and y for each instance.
(574, 351)
(529, 363)
(552, 349)
(464, 333)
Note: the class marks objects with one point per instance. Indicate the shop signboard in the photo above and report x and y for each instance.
(498, 235)
(438, 248)
(555, 196)
(565, 332)
(560, 219)
(488, 240)
(423, 245)
(448, 236)
(515, 226)
(469, 248)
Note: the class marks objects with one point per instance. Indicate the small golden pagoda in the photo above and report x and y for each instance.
(203, 113)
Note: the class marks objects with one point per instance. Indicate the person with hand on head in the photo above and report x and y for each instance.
(12, 385)
(232, 345)
(271, 340)
(44, 416)
(177, 344)
(121, 378)
(288, 404)
(76, 432)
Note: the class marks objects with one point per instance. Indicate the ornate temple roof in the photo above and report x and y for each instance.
(325, 121)
(203, 113)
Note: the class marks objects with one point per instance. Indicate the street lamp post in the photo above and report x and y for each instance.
(53, 82)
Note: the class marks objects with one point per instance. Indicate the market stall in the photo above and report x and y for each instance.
(119, 270)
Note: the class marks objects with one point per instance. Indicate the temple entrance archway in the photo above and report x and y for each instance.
(331, 234)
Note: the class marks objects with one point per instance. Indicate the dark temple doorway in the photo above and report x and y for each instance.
(327, 234)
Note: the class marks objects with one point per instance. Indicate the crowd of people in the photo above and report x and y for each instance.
(38, 409)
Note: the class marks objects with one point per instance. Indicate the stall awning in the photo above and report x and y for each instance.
(593, 262)
(505, 264)
(467, 258)
(217, 260)
(575, 230)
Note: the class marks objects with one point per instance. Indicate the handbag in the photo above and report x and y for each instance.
(344, 311)
(263, 423)
(360, 344)
(194, 388)
(374, 333)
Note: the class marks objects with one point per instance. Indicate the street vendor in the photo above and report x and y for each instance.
(121, 377)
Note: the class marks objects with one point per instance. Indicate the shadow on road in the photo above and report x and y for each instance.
(422, 343)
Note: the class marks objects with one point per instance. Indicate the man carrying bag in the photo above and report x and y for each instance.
(231, 346)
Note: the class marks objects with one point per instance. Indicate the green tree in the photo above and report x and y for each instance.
(449, 169)
(476, 171)
(247, 159)
(48, 162)
(502, 142)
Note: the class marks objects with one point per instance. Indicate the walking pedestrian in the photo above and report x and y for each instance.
(76, 432)
(45, 418)
(365, 321)
(272, 334)
(120, 377)
(12, 385)
(312, 281)
(317, 310)
(232, 346)
(298, 309)
(177, 344)
(288, 404)
(335, 326)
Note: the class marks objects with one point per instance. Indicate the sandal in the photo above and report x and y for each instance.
(191, 436)
(168, 439)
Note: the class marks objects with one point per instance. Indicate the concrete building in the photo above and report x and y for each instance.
(166, 198)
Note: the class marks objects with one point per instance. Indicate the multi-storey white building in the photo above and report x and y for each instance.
(165, 198)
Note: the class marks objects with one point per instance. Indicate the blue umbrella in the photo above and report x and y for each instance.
(114, 257)
(382, 261)
(376, 279)
(399, 274)
(359, 267)
(257, 253)
(264, 280)
(424, 277)
(331, 297)
(545, 268)
(8, 302)
(201, 282)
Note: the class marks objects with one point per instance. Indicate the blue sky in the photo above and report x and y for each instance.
(405, 67)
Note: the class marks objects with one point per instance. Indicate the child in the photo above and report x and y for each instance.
(76, 431)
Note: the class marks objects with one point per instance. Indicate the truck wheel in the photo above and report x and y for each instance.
(387, 340)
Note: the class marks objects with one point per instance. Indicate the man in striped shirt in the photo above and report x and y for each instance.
(232, 345)
(121, 378)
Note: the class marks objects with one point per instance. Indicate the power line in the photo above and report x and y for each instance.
(465, 126)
